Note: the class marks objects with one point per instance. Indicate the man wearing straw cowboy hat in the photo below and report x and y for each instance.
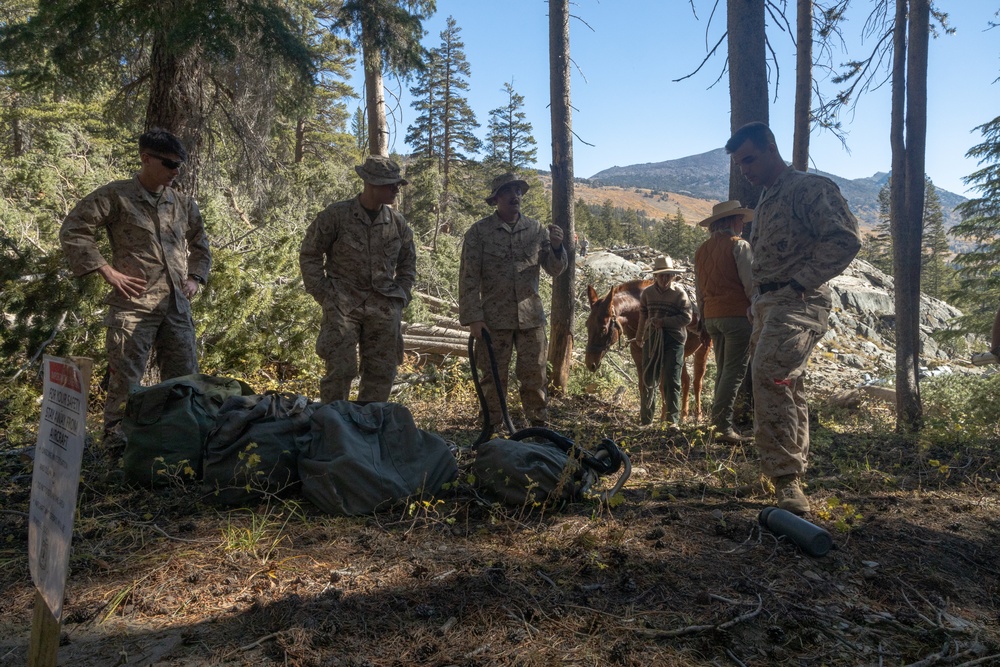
(359, 262)
(664, 313)
(804, 234)
(724, 285)
(502, 255)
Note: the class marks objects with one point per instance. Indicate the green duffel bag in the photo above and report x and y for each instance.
(166, 426)
(363, 457)
(253, 451)
(526, 474)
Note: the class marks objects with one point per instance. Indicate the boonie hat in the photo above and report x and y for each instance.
(726, 209)
(502, 180)
(664, 264)
(380, 170)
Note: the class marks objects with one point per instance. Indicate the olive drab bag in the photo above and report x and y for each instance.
(254, 449)
(522, 474)
(362, 457)
(549, 472)
(166, 426)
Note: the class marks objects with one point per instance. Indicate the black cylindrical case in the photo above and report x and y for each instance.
(809, 537)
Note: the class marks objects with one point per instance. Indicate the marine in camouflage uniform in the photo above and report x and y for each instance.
(359, 262)
(159, 258)
(498, 292)
(803, 235)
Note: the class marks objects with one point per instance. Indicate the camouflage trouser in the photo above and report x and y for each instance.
(786, 329)
(731, 343)
(661, 370)
(532, 351)
(130, 337)
(374, 327)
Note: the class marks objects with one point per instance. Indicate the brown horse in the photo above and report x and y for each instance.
(615, 319)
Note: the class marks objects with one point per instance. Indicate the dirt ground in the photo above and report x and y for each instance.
(679, 573)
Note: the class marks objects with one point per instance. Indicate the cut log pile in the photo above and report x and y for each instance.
(446, 336)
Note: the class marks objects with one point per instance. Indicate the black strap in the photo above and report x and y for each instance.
(486, 432)
(602, 465)
(772, 287)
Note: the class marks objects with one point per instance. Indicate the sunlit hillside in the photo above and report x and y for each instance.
(653, 203)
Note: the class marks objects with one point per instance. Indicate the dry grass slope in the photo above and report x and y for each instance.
(656, 206)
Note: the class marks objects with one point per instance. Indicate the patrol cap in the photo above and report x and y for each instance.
(502, 180)
(380, 170)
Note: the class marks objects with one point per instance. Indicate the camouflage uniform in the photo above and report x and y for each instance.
(162, 239)
(803, 231)
(498, 285)
(361, 271)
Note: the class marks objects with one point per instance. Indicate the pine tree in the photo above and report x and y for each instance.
(978, 289)
(458, 120)
(446, 115)
(179, 58)
(934, 269)
(511, 145)
(388, 33)
(359, 128)
(425, 135)
(877, 249)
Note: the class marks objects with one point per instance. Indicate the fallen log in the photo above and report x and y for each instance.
(435, 346)
(430, 331)
(449, 322)
(438, 305)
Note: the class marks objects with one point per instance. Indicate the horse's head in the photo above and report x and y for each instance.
(604, 329)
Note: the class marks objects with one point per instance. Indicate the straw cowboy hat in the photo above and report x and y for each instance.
(726, 209)
(502, 180)
(380, 170)
(666, 265)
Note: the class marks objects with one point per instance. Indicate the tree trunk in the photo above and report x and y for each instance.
(300, 140)
(747, 81)
(906, 206)
(803, 84)
(175, 102)
(908, 276)
(378, 128)
(563, 288)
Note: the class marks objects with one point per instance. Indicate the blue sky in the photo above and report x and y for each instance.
(628, 105)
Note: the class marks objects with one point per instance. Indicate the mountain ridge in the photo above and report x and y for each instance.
(706, 176)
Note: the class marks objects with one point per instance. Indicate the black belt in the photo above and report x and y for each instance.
(771, 287)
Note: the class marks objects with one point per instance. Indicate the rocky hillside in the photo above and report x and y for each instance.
(859, 347)
(706, 176)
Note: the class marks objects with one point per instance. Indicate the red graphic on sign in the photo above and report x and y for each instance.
(63, 375)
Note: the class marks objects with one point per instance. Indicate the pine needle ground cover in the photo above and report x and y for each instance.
(673, 571)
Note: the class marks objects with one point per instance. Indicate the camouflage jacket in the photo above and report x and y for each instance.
(159, 238)
(498, 280)
(345, 256)
(803, 230)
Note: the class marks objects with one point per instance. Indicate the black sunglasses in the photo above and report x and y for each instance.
(169, 164)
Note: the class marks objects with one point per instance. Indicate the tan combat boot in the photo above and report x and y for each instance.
(789, 493)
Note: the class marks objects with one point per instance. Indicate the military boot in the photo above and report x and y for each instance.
(788, 490)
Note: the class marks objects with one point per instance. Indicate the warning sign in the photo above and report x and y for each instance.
(56, 476)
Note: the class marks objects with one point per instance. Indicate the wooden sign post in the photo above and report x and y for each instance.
(54, 483)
